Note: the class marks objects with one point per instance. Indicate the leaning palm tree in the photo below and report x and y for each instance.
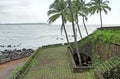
(58, 9)
(84, 11)
(75, 38)
(76, 7)
(98, 6)
(80, 9)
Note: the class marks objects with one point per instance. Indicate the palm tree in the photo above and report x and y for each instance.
(58, 9)
(98, 6)
(75, 38)
(76, 7)
(85, 18)
(80, 8)
(84, 11)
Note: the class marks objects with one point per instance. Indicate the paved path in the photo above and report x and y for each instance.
(54, 63)
(7, 68)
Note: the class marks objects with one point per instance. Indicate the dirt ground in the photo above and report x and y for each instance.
(7, 68)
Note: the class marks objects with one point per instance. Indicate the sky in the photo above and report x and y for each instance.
(35, 11)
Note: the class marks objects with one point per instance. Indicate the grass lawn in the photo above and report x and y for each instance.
(54, 63)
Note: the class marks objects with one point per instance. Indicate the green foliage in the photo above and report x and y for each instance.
(110, 36)
(114, 72)
(99, 5)
(57, 9)
(95, 60)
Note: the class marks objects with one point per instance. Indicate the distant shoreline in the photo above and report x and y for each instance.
(23, 23)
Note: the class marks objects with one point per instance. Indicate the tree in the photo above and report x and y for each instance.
(75, 38)
(97, 6)
(80, 9)
(76, 7)
(84, 12)
(56, 10)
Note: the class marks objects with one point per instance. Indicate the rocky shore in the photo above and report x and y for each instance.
(9, 55)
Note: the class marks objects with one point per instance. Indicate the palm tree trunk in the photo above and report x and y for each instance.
(85, 26)
(66, 36)
(101, 18)
(79, 28)
(75, 39)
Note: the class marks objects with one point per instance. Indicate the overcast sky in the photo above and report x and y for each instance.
(18, 11)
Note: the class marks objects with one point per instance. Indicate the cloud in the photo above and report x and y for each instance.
(36, 11)
(14, 10)
(23, 11)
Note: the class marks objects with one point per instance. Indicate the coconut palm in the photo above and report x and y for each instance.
(75, 38)
(98, 6)
(76, 7)
(84, 11)
(58, 9)
(80, 9)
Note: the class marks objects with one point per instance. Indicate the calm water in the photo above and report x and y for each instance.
(34, 36)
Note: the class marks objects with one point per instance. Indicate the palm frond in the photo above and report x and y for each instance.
(53, 18)
(106, 2)
(52, 12)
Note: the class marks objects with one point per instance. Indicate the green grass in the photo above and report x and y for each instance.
(54, 63)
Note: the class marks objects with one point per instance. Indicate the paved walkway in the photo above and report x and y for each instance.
(54, 63)
(7, 68)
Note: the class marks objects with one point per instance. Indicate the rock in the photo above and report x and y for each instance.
(8, 55)
(2, 46)
(57, 38)
(23, 49)
(61, 39)
(9, 46)
(1, 53)
(17, 45)
(5, 50)
(19, 51)
(30, 50)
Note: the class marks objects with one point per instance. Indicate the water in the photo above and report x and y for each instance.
(34, 36)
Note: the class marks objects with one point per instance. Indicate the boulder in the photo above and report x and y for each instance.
(9, 46)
